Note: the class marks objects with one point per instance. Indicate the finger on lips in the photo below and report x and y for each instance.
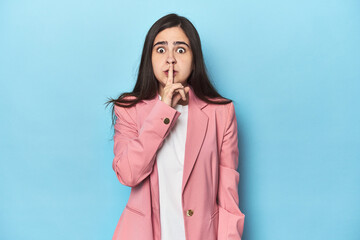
(171, 74)
(175, 87)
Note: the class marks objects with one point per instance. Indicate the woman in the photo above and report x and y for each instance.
(176, 144)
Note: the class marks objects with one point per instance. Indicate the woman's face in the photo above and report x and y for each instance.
(172, 46)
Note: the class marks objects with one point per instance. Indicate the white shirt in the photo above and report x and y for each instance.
(170, 164)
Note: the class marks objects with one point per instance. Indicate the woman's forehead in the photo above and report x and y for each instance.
(174, 34)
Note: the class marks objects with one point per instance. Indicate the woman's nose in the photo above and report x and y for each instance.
(170, 58)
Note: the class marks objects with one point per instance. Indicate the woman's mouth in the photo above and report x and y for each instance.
(167, 73)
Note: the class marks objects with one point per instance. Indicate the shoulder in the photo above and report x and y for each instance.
(124, 110)
(224, 113)
(221, 104)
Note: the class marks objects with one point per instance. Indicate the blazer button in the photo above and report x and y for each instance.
(189, 213)
(166, 121)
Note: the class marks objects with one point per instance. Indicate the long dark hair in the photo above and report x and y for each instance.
(146, 86)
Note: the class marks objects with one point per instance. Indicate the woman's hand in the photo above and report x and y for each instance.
(173, 92)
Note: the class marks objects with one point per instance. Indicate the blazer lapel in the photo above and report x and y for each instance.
(195, 135)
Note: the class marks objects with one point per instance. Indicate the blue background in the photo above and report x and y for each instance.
(291, 67)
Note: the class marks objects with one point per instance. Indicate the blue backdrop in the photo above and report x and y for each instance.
(291, 67)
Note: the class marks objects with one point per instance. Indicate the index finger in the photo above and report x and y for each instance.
(171, 74)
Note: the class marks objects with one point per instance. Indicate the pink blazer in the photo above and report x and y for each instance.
(210, 180)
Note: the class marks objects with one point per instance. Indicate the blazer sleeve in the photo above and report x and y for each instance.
(231, 219)
(135, 149)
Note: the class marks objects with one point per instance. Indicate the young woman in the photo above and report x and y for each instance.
(176, 144)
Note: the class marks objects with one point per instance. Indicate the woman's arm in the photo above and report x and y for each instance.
(231, 219)
(135, 149)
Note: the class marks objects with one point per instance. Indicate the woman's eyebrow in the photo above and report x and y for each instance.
(175, 43)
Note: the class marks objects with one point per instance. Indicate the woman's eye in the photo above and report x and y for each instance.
(181, 50)
(160, 50)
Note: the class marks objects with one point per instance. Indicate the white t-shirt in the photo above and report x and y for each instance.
(170, 164)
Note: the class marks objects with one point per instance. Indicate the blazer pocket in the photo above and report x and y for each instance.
(135, 211)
